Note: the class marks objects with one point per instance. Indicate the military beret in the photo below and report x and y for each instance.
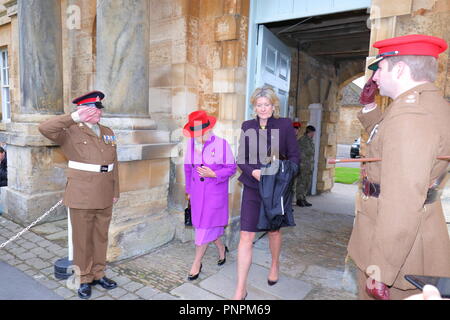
(414, 45)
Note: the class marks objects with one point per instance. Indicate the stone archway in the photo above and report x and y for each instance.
(349, 127)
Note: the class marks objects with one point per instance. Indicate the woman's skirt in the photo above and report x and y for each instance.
(203, 236)
(251, 204)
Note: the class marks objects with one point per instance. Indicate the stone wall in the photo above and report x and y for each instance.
(321, 81)
(349, 127)
(198, 61)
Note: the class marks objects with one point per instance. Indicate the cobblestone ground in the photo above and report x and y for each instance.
(313, 254)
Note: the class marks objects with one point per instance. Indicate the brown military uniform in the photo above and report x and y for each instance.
(396, 231)
(89, 195)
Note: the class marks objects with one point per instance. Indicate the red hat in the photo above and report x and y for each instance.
(296, 125)
(414, 45)
(91, 97)
(199, 123)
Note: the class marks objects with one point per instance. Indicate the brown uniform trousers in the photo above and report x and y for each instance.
(89, 195)
(396, 232)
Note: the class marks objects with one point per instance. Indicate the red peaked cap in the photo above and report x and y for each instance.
(296, 125)
(414, 45)
(199, 123)
(91, 97)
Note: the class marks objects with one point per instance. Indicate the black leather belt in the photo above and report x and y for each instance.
(370, 189)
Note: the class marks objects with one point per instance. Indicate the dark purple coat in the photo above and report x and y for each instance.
(278, 136)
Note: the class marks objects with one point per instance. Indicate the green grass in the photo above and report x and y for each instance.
(347, 175)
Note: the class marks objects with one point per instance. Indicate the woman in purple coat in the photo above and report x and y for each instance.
(261, 138)
(208, 165)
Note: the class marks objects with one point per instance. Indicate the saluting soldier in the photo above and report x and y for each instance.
(92, 185)
(304, 178)
(400, 228)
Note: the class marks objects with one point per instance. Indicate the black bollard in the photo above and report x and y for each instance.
(63, 269)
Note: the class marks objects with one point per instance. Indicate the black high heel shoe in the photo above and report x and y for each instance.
(222, 262)
(271, 283)
(195, 276)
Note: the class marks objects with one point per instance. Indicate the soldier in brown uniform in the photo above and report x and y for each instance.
(92, 185)
(400, 228)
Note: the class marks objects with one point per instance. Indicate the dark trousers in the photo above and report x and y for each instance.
(90, 241)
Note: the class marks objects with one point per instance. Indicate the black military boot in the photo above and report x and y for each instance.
(307, 204)
(106, 283)
(85, 291)
(300, 203)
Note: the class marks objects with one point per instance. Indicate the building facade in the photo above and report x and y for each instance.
(157, 61)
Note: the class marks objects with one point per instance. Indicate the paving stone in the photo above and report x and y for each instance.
(38, 263)
(130, 296)
(5, 256)
(325, 277)
(47, 228)
(224, 287)
(57, 236)
(51, 284)
(105, 297)
(29, 245)
(132, 286)
(63, 252)
(146, 293)
(14, 262)
(287, 288)
(96, 294)
(189, 291)
(122, 280)
(164, 296)
(110, 273)
(23, 267)
(65, 292)
(19, 250)
(44, 243)
(117, 292)
(60, 224)
(26, 256)
(49, 271)
(31, 272)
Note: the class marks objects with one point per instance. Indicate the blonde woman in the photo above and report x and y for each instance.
(279, 136)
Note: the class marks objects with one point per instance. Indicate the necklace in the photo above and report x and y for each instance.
(262, 127)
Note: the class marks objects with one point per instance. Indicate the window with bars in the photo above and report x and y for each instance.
(4, 84)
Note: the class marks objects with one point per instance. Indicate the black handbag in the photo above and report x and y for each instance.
(187, 215)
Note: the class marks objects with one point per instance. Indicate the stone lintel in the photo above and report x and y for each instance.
(11, 8)
(147, 151)
(22, 140)
(129, 123)
(126, 137)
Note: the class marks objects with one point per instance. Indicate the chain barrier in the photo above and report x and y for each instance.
(31, 225)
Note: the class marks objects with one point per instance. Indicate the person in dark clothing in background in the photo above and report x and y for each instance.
(3, 168)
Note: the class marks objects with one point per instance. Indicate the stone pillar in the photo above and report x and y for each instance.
(122, 55)
(40, 54)
(140, 219)
(34, 183)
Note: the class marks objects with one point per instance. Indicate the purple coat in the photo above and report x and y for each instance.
(209, 196)
(283, 142)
